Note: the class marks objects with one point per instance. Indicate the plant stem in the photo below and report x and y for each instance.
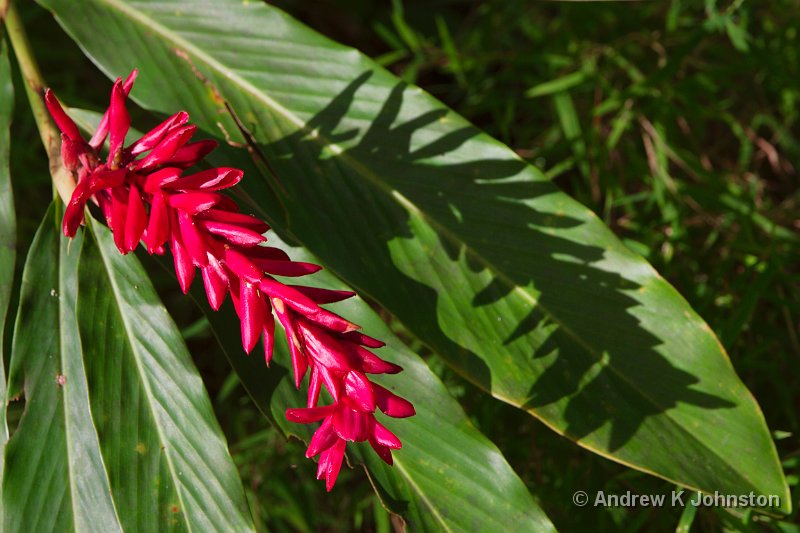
(34, 88)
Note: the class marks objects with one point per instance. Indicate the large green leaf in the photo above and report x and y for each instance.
(523, 290)
(447, 477)
(8, 227)
(118, 431)
(55, 478)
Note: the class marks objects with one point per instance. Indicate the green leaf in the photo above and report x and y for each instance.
(737, 34)
(157, 414)
(8, 228)
(118, 431)
(564, 83)
(447, 476)
(473, 487)
(521, 289)
(571, 127)
(55, 477)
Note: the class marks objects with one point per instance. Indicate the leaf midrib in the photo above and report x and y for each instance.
(65, 402)
(423, 495)
(233, 76)
(129, 335)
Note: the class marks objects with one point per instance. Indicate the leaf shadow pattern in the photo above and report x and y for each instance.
(575, 354)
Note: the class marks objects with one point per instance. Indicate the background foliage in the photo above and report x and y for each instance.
(677, 123)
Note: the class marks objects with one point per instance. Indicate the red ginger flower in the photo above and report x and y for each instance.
(145, 196)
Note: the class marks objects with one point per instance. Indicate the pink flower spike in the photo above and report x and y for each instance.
(293, 298)
(136, 219)
(309, 414)
(242, 266)
(299, 361)
(227, 204)
(239, 219)
(384, 437)
(328, 296)
(323, 438)
(288, 268)
(62, 120)
(322, 467)
(192, 239)
(98, 181)
(332, 381)
(233, 290)
(119, 122)
(332, 321)
(73, 214)
(104, 200)
(363, 340)
(359, 390)
(215, 281)
(371, 363)
(252, 315)
(314, 384)
(392, 404)
(192, 153)
(71, 152)
(119, 214)
(127, 85)
(166, 149)
(156, 180)
(352, 425)
(325, 350)
(384, 452)
(268, 333)
(184, 268)
(306, 306)
(151, 139)
(102, 129)
(106, 179)
(158, 227)
(144, 196)
(266, 252)
(334, 464)
(213, 179)
(194, 202)
(232, 233)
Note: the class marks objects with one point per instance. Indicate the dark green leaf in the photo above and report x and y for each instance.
(473, 486)
(447, 477)
(524, 291)
(55, 477)
(8, 227)
(114, 405)
(557, 85)
(168, 460)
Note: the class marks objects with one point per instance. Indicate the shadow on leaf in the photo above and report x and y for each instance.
(379, 202)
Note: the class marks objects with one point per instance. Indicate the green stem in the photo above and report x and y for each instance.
(34, 88)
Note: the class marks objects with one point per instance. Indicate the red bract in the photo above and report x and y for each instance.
(145, 196)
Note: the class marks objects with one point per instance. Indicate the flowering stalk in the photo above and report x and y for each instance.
(145, 196)
(9, 16)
